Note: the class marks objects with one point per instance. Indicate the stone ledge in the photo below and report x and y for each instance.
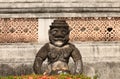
(91, 52)
(56, 15)
(51, 9)
(59, 1)
(25, 5)
(59, 10)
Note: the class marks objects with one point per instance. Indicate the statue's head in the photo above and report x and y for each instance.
(59, 33)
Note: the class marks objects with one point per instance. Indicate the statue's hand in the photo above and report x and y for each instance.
(78, 71)
(79, 67)
(45, 73)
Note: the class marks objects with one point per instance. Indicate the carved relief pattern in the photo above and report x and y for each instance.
(14, 30)
(94, 29)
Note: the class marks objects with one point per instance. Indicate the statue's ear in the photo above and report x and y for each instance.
(49, 32)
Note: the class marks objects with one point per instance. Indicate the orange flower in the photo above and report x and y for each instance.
(51, 77)
(68, 78)
(43, 77)
(30, 77)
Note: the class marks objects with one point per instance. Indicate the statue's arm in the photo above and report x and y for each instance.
(40, 57)
(78, 61)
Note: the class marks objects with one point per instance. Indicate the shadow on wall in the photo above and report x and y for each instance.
(23, 69)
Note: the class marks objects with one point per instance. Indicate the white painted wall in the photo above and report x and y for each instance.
(43, 27)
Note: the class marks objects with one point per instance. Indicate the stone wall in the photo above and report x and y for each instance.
(100, 59)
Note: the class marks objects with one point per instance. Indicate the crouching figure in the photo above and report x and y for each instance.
(58, 51)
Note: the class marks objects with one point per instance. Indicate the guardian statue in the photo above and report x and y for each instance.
(58, 51)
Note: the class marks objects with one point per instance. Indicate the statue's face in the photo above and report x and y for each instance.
(59, 36)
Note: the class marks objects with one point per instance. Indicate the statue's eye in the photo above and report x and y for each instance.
(54, 32)
(64, 32)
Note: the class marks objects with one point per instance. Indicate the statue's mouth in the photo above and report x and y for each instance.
(59, 39)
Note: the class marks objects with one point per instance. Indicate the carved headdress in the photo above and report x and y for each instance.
(59, 23)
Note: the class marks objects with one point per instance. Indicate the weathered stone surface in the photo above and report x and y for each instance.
(59, 1)
(59, 8)
(21, 69)
(101, 59)
(102, 70)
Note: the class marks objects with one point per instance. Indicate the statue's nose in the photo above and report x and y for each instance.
(59, 35)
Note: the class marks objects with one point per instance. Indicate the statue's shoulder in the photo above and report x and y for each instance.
(71, 45)
(43, 50)
(46, 46)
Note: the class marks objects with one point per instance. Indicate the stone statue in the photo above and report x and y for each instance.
(58, 51)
